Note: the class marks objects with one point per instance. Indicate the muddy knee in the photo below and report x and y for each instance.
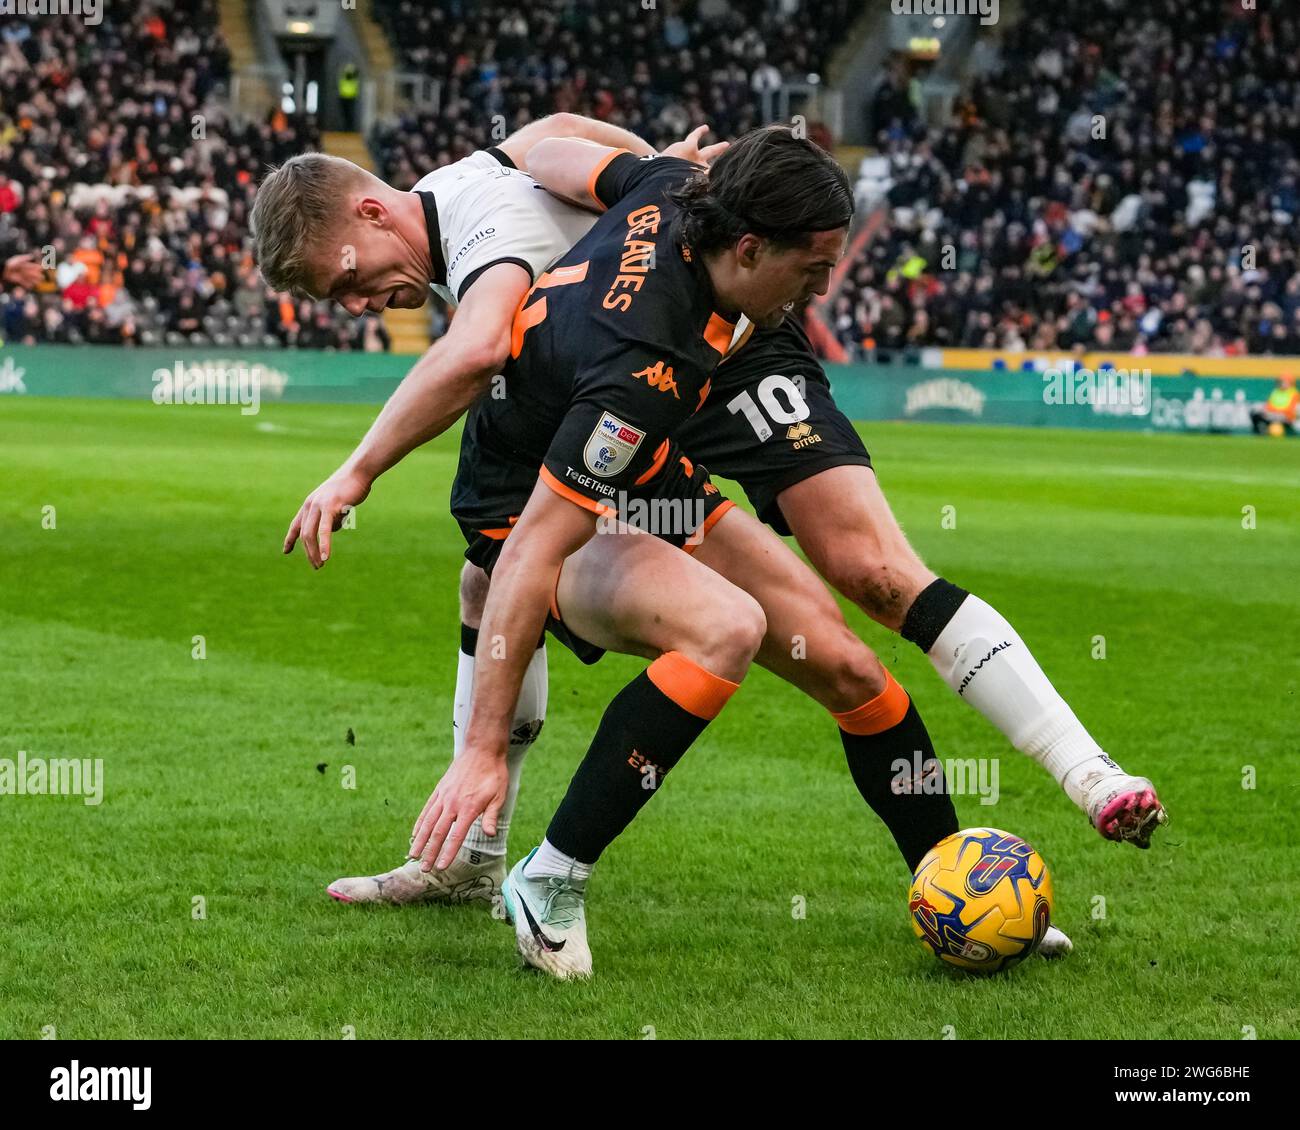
(883, 591)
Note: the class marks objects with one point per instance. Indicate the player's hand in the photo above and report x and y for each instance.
(323, 512)
(23, 270)
(474, 786)
(689, 149)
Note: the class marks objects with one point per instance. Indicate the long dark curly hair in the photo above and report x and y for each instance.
(770, 183)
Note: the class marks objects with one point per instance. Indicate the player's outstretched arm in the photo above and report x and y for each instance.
(523, 582)
(517, 145)
(452, 374)
(568, 167)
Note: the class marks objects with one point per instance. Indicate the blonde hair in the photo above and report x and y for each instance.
(297, 206)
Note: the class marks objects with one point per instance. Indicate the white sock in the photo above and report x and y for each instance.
(530, 713)
(982, 658)
(549, 861)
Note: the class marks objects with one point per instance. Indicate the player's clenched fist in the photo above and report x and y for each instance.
(323, 512)
(474, 786)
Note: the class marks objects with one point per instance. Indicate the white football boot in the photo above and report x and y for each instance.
(1124, 808)
(1055, 943)
(550, 922)
(470, 878)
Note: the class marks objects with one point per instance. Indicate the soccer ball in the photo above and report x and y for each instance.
(981, 900)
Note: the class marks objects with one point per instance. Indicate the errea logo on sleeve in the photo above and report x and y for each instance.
(611, 445)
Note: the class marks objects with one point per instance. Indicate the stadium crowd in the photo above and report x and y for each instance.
(101, 160)
(1128, 179)
(658, 70)
(116, 152)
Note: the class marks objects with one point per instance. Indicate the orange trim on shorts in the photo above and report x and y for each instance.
(563, 276)
(661, 457)
(694, 689)
(501, 534)
(882, 713)
(692, 543)
(595, 176)
(526, 317)
(718, 333)
(566, 491)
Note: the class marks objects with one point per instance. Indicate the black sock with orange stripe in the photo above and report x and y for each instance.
(893, 764)
(645, 731)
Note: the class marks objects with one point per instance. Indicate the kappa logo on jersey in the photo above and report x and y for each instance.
(611, 446)
(660, 376)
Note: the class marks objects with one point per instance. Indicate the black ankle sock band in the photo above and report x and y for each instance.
(931, 612)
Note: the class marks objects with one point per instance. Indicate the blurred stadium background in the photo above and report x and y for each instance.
(1098, 187)
(1089, 181)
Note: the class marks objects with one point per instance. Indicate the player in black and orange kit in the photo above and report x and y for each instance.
(605, 378)
(771, 422)
(613, 350)
(772, 425)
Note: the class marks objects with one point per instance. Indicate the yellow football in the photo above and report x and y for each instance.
(981, 900)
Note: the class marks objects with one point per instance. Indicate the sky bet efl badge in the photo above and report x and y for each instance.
(611, 446)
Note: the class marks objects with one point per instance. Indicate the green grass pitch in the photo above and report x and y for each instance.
(224, 775)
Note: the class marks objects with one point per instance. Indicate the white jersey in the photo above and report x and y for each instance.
(489, 212)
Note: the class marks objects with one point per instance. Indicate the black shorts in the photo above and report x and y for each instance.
(770, 421)
(681, 509)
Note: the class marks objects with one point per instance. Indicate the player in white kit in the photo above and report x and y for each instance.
(478, 233)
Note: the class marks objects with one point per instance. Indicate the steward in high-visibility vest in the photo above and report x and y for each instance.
(349, 88)
(1278, 413)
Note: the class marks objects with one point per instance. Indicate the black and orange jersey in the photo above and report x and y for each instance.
(771, 422)
(612, 349)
